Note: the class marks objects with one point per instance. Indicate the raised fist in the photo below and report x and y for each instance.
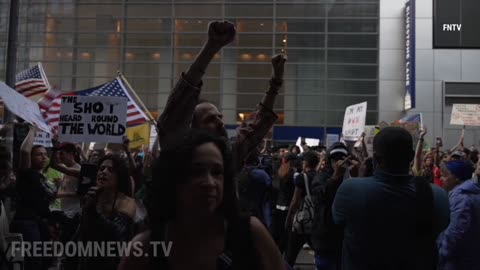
(221, 33)
(423, 132)
(278, 63)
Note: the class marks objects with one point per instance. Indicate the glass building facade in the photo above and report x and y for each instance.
(332, 47)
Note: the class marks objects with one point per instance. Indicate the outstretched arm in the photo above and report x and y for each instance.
(418, 153)
(254, 129)
(278, 64)
(181, 103)
(220, 34)
(460, 141)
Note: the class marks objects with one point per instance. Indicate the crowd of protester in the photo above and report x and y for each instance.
(229, 204)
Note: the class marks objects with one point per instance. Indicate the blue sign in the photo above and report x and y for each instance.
(410, 55)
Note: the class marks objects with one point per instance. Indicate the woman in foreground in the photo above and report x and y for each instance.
(192, 204)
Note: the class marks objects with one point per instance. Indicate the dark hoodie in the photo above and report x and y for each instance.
(327, 237)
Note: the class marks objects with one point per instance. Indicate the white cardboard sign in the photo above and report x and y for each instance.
(354, 121)
(312, 142)
(23, 107)
(92, 119)
(42, 138)
(465, 115)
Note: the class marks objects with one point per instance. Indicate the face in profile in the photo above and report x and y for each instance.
(106, 176)
(449, 180)
(210, 119)
(39, 158)
(202, 194)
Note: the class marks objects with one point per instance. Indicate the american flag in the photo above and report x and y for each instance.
(32, 82)
(50, 104)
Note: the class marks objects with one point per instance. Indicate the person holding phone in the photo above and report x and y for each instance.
(326, 237)
(108, 212)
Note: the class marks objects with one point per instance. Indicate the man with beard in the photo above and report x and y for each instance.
(184, 109)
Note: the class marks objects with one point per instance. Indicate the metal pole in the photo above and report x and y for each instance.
(12, 42)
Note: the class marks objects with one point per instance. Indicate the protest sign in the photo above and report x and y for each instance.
(139, 135)
(312, 142)
(23, 107)
(465, 115)
(354, 121)
(299, 144)
(42, 138)
(92, 119)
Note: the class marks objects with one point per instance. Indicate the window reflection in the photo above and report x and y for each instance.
(332, 49)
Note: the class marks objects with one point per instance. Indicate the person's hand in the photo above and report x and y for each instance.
(278, 63)
(90, 199)
(221, 33)
(340, 168)
(423, 132)
(355, 163)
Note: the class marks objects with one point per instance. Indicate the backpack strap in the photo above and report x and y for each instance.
(305, 177)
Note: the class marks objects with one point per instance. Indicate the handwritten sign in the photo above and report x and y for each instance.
(92, 119)
(23, 107)
(465, 115)
(354, 121)
(42, 138)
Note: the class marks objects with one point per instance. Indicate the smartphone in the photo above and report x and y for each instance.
(439, 142)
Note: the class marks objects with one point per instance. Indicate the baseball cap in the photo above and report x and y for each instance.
(459, 154)
(462, 169)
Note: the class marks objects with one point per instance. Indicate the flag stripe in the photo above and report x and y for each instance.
(35, 92)
(29, 84)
